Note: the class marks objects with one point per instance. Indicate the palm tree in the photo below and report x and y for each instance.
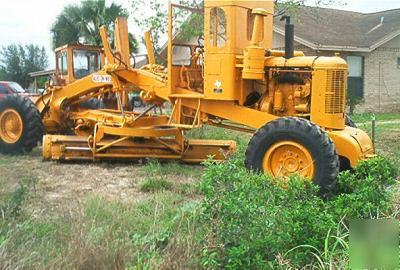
(81, 23)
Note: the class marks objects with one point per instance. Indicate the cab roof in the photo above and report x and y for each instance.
(79, 46)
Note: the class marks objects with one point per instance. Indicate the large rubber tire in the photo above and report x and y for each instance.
(302, 132)
(32, 127)
(349, 122)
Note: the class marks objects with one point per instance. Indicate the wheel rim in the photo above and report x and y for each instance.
(286, 158)
(11, 126)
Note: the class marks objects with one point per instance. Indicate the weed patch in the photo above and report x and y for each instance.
(170, 176)
(155, 184)
(104, 235)
(249, 222)
(171, 169)
(11, 203)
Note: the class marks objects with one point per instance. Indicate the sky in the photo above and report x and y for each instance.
(29, 21)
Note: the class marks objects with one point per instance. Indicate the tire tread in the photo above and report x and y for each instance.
(317, 138)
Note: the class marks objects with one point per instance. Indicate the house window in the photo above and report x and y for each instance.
(356, 76)
(218, 28)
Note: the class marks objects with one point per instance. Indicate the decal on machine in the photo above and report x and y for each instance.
(218, 85)
(101, 78)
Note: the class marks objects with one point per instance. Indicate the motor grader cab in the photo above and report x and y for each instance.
(74, 62)
(294, 104)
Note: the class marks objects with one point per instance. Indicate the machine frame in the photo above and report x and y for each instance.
(295, 102)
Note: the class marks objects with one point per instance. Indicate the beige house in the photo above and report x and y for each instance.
(369, 42)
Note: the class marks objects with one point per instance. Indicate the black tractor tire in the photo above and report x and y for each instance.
(32, 127)
(303, 132)
(349, 122)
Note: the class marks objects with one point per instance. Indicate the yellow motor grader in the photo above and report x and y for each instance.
(294, 104)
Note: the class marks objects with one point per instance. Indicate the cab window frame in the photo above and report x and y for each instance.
(62, 63)
(93, 52)
(218, 36)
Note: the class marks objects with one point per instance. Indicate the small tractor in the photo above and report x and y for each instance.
(294, 105)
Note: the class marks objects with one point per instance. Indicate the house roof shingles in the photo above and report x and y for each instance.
(324, 27)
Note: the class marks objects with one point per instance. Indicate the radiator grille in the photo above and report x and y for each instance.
(336, 92)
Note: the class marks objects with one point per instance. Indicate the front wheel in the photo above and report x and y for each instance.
(20, 125)
(291, 145)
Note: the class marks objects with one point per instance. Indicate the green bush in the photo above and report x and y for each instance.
(249, 222)
(366, 191)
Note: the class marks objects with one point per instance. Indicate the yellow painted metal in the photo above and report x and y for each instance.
(106, 46)
(58, 147)
(50, 104)
(149, 46)
(277, 53)
(286, 158)
(353, 144)
(121, 38)
(122, 50)
(11, 126)
(67, 76)
(222, 79)
(253, 59)
(236, 63)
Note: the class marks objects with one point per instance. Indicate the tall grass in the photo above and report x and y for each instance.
(103, 235)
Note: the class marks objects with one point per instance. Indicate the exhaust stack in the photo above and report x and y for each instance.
(289, 37)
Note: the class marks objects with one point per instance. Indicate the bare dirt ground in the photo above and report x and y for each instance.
(67, 185)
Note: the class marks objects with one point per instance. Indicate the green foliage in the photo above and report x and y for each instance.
(11, 207)
(251, 222)
(246, 221)
(219, 133)
(154, 168)
(364, 193)
(189, 25)
(155, 18)
(41, 82)
(11, 203)
(81, 23)
(367, 117)
(155, 184)
(163, 176)
(103, 235)
(16, 61)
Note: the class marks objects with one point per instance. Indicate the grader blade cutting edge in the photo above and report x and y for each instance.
(58, 147)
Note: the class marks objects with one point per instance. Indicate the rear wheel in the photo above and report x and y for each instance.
(20, 125)
(289, 146)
